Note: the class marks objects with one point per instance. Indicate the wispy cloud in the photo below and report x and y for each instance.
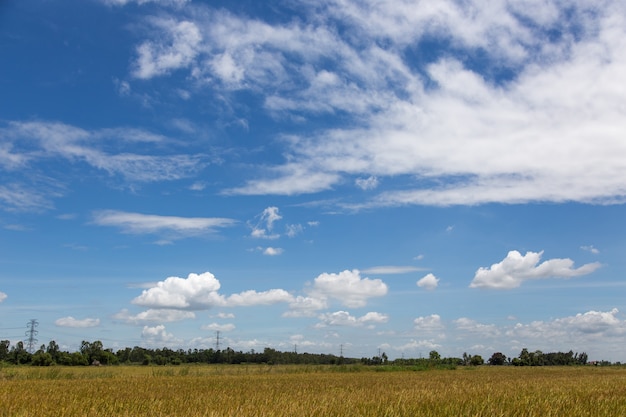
(134, 155)
(177, 227)
(78, 323)
(343, 318)
(264, 226)
(517, 268)
(590, 248)
(221, 327)
(556, 95)
(154, 315)
(391, 269)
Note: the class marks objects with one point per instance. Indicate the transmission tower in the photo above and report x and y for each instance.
(217, 340)
(31, 340)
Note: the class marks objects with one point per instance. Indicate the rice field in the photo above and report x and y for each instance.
(242, 390)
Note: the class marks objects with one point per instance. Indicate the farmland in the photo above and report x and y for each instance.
(288, 390)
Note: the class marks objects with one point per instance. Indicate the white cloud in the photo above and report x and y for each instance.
(591, 249)
(270, 251)
(219, 327)
(225, 315)
(176, 49)
(390, 269)
(305, 306)
(157, 335)
(418, 344)
(154, 315)
(41, 140)
(293, 229)
(515, 269)
(590, 324)
(428, 323)
(471, 326)
(141, 2)
(3, 296)
(558, 94)
(343, 318)
(201, 292)
(139, 223)
(368, 183)
(265, 224)
(429, 282)
(77, 323)
(196, 292)
(251, 298)
(348, 288)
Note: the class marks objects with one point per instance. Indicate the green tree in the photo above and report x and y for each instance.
(477, 360)
(92, 351)
(4, 350)
(498, 358)
(54, 350)
(434, 356)
(19, 355)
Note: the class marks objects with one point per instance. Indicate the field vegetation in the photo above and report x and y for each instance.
(311, 390)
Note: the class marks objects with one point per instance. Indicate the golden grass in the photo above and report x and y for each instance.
(242, 390)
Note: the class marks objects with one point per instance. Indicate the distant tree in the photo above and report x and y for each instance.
(498, 358)
(434, 356)
(41, 358)
(4, 350)
(54, 350)
(477, 360)
(92, 351)
(19, 355)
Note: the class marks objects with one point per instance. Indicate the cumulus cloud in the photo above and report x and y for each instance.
(201, 292)
(348, 288)
(428, 323)
(590, 324)
(270, 251)
(429, 282)
(196, 292)
(343, 318)
(157, 335)
(219, 327)
(472, 326)
(251, 298)
(418, 344)
(172, 226)
(154, 315)
(302, 306)
(517, 268)
(77, 323)
(3, 296)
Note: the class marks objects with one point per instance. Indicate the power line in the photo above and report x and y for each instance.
(31, 341)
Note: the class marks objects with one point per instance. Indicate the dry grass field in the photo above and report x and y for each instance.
(242, 390)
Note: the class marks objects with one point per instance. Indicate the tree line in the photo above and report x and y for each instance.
(94, 353)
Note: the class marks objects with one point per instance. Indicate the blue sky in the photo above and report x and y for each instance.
(331, 176)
